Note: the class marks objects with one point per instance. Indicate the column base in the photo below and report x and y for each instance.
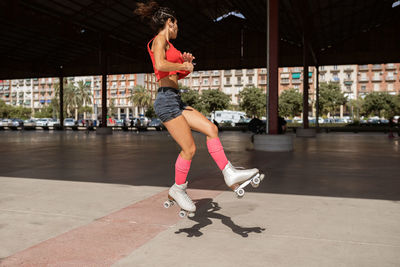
(104, 131)
(273, 143)
(310, 132)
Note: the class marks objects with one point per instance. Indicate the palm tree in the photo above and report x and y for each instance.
(84, 95)
(140, 97)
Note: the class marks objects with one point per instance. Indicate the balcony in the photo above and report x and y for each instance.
(363, 68)
(348, 81)
(238, 72)
(131, 77)
(250, 72)
(322, 69)
(196, 74)
(296, 81)
(348, 69)
(377, 67)
(376, 79)
(263, 71)
(390, 78)
(228, 84)
(215, 73)
(285, 81)
(390, 66)
(335, 70)
(363, 80)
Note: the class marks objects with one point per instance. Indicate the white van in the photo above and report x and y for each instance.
(228, 115)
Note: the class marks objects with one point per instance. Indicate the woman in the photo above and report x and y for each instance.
(170, 65)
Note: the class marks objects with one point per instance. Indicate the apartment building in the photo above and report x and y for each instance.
(378, 78)
(354, 80)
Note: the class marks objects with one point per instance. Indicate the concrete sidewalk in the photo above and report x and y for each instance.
(334, 201)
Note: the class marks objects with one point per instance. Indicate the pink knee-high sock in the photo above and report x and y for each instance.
(182, 167)
(217, 152)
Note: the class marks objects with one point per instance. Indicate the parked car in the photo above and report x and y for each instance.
(3, 122)
(43, 122)
(14, 123)
(69, 122)
(119, 122)
(53, 122)
(30, 124)
(156, 123)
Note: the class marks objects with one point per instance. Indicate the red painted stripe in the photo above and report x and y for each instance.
(107, 239)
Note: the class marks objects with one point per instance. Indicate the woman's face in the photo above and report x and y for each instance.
(173, 28)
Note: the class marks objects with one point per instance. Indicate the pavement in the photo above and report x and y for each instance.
(76, 199)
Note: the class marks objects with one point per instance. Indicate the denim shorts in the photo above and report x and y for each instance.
(168, 105)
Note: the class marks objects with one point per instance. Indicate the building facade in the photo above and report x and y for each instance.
(354, 80)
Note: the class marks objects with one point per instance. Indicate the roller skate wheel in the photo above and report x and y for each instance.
(240, 193)
(167, 204)
(254, 185)
(256, 180)
(191, 214)
(182, 214)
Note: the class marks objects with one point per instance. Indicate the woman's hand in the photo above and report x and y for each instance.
(188, 66)
(188, 57)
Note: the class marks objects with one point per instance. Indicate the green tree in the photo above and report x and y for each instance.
(4, 109)
(290, 103)
(150, 112)
(253, 101)
(381, 104)
(214, 100)
(45, 112)
(355, 106)
(20, 112)
(192, 98)
(84, 97)
(330, 98)
(140, 97)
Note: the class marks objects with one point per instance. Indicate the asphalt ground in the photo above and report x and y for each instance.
(76, 199)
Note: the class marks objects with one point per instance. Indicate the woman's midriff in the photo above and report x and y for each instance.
(169, 81)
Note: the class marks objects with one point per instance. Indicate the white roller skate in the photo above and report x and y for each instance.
(238, 178)
(177, 194)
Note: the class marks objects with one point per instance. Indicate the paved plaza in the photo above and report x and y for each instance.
(76, 199)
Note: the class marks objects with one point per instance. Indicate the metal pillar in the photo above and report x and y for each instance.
(305, 79)
(61, 81)
(104, 64)
(272, 66)
(104, 100)
(317, 97)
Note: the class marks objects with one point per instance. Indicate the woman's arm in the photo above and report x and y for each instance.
(162, 64)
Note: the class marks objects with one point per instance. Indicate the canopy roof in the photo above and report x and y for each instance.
(39, 36)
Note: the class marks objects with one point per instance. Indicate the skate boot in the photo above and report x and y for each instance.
(177, 194)
(239, 178)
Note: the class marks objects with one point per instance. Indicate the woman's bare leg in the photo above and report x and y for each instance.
(199, 123)
(182, 134)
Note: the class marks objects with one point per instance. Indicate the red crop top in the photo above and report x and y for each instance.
(172, 55)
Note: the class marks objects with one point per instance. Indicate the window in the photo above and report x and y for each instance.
(251, 79)
(363, 88)
(228, 80)
(377, 87)
(390, 87)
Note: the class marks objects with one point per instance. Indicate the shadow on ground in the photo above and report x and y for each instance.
(207, 210)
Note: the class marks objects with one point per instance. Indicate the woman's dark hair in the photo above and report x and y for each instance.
(156, 15)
